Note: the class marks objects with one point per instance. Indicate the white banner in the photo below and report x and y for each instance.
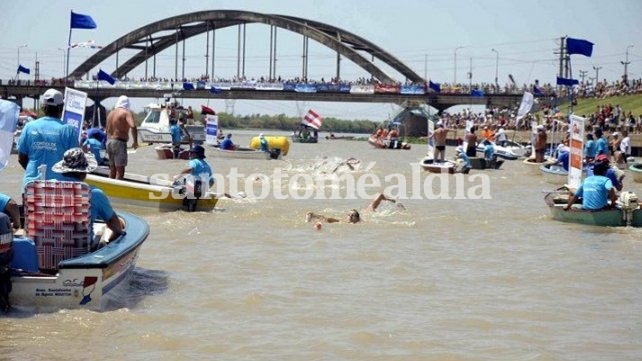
(576, 156)
(211, 129)
(74, 111)
(526, 105)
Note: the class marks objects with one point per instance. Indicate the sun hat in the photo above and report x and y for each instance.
(198, 150)
(53, 97)
(75, 160)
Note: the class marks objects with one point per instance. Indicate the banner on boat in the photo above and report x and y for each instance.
(211, 129)
(576, 143)
(74, 111)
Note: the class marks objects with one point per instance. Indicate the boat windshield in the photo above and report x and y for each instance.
(153, 117)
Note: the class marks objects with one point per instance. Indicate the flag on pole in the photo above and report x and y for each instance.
(9, 114)
(526, 105)
(207, 110)
(86, 44)
(579, 46)
(106, 77)
(188, 86)
(22, 69)
(80, 21)
(312, 119)
(434, 86)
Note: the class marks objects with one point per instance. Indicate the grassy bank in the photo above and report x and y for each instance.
(587, 106)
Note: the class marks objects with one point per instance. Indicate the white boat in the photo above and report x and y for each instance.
(554, 173)
(243, 153)
(509, 152)
(446, 167)
(155, 127)
(57, 265)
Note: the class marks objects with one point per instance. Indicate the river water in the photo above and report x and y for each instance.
(442, 279)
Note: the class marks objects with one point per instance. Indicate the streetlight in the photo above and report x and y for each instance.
(455, 64)
(496, 68)
(20, 47)
(626, 63)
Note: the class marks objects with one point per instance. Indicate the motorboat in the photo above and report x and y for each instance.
(155, 126)
(507, 152)
(57, 264)
(626, 212)
(554, 173)
(385, 143)
(153, 192)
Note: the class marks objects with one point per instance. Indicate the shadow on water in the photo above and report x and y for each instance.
(142, 283)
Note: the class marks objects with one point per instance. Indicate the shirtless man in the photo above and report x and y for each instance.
(119, 121)
(440, 142)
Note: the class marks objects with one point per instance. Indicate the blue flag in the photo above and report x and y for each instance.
(188, 86)
(22, 69)
(434, 86)
(477, 93)
(80, 21)
(215, 90)
(567, 82)
(537, 90)
(579, 46)
(106, 77)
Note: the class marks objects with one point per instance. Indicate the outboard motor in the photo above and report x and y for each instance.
(193, 191)
(6, 253)
(628, 202)
(275, 153)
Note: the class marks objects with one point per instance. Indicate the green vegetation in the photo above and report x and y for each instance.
(587, 106)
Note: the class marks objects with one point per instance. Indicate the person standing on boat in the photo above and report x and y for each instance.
(177, 136)
(74, 166)
(500, 137)
(265, 147)
(119, 122)
(471, 140)
(540, 144)
(197, 167)
(595, 191)
(45, 140)
(439, 135)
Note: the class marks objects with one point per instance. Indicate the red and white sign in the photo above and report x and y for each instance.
(312, 119)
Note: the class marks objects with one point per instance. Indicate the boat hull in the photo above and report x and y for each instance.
(613, 217)
(446, 167)
(86, 281)
(241, 153)
(165, 152)
(386, 143)
(553, 173)
(149, 192)
(636, 171)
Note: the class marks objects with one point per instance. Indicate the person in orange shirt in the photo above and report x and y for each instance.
(488, 133)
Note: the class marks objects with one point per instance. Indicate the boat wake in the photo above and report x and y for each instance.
(142, 283)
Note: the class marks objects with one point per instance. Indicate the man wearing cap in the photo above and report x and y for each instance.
(540, 144)
(197, 166)
(74, 166)
(595, 191)
(45, 140)
(119, 121)
(613, 173)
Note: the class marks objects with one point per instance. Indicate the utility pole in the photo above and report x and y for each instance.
(583, 74)
(597, 73)
(625, 78)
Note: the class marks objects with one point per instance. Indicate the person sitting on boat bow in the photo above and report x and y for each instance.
(265, 147)
(197, 166)
(74, 167)
(595, 191)
(353, 216)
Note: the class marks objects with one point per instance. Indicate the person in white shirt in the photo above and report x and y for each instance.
(625, 147)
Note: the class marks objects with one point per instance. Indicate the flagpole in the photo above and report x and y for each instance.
(68, 49)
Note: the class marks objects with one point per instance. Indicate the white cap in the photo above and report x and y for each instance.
(261, 135)
(53, 97)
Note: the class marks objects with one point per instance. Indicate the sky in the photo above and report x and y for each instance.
(423, 34)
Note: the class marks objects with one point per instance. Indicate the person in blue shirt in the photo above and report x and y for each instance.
(595, 191)
(99, 134)
(45, 140)
(461, 154)
(601, 145)
(9, 207)
(177, 135)
(197, 167)
(489, 150)
(264, 143)
(227, 143)
(563, 159)
(590, 148)
(74, 166)
(94, 145)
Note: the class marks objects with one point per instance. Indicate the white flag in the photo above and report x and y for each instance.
(526, 105)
